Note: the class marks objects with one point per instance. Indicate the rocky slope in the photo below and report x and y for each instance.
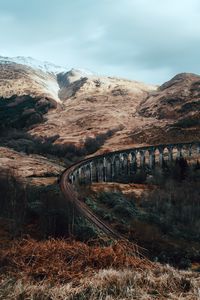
(47, 100)
(33, 169)
(176, 98)
(28, 89)
(20, 77)
(92, 105)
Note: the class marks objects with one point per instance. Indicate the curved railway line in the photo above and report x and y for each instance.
(108, 166)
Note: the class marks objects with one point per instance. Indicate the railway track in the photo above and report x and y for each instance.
(68, 179)
(72, 196)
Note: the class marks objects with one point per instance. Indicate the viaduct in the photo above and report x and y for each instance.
(109, 166)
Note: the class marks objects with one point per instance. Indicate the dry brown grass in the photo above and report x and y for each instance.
(61, 261)
(66, 270)
(111, 284)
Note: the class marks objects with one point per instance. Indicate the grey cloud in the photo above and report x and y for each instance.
(148, 40)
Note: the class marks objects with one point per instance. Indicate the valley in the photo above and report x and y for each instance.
(50, 120)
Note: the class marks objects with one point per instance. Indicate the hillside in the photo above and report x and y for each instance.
(19, 78)
(52, 105)
(93, 105)
(50, 118)
(47, 100)
(34, 169)
(177, 98)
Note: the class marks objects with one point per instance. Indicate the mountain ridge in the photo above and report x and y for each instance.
(78, 104)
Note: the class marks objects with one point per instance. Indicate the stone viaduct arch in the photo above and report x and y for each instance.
(108, 166)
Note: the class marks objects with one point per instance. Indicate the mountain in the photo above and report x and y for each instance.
(44, 66)
(47, 100)
(72, 104)
(51, 117)
(25, 76)
(177, 98)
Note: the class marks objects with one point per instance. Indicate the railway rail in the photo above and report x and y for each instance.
(106, 167)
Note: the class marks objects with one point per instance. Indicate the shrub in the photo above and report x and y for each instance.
(20, 140)
(91, 145)
(140, 176)
(187, 122)
(42, 208)
(115, 206)
(27, 112)
(174, 210)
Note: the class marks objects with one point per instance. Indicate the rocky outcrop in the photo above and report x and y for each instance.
(175, 99)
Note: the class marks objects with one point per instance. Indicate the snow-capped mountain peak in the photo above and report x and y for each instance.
(34, 63)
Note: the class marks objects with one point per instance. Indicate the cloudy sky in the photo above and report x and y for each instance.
(147, 40)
